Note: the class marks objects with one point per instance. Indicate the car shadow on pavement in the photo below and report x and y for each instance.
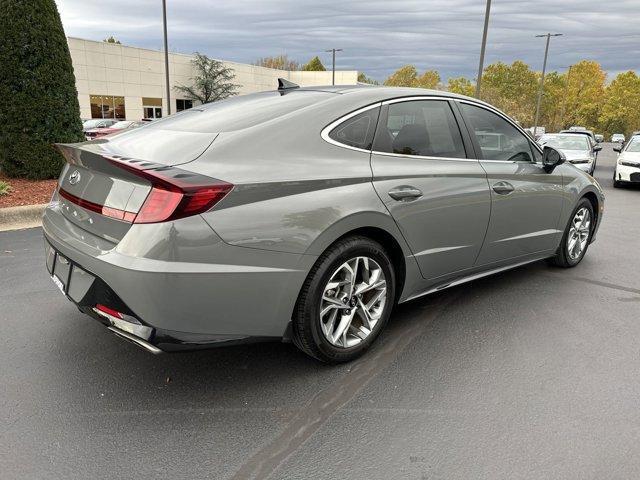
(98, 365)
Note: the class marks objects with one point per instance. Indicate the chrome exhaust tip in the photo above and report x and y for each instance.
(136, 340)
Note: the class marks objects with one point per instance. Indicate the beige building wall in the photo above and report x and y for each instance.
(133, 73)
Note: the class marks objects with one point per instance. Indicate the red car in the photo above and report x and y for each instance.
(116, 127)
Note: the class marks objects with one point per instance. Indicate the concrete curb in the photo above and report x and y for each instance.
(14, 218)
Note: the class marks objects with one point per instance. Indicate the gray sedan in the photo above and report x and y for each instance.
(305, 215)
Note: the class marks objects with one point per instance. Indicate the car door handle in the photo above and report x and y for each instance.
(503, 188)
(405, 192)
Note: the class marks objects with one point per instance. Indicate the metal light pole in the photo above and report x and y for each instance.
(544, 69)
(333, 70)
(482, 49)
(166, 56)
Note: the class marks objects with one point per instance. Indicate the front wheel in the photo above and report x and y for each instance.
(577, 236)
(616, 183)
(345, 301)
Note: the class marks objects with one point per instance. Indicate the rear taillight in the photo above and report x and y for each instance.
(174, 194)
(95, 207)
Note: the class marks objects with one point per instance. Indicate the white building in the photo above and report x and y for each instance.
(116, 81)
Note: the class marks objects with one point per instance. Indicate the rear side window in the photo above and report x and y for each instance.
(498, 139)
(358, 130)
(422, 127)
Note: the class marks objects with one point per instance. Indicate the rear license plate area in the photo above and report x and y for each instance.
(61, 271)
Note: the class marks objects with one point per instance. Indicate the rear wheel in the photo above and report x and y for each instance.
(345, 301)
(577, 236)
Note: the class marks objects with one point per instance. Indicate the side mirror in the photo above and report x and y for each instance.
(597, 148)
(551, 158)
(617, 149)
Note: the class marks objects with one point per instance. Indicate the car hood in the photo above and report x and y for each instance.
(576, 154)
(631, 156)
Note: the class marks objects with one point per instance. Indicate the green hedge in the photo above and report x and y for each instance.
(38, 97)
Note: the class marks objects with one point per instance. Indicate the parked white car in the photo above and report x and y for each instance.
(628, 164)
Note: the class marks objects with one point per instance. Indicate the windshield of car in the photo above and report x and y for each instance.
(92, 123)
(565, 142)
(121, 125)
(634, 145)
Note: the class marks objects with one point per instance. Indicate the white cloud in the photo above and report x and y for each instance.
(377, 36)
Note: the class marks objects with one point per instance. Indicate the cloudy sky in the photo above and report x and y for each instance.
(378, 36)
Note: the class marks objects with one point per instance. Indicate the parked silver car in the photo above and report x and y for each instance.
(577, 149)
(305, 214)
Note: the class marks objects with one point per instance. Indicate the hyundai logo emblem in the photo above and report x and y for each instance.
(74, 177)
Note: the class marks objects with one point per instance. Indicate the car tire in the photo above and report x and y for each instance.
(616, 184)
(566, 256)
(314, 333)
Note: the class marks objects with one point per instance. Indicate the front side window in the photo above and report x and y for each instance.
(498, 139)
(358, 130)
(422, 127)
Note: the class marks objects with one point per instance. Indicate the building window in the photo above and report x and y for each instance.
(107, 106)
(183, 104)
(152, 107)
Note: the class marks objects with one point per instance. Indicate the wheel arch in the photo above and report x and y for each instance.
(596, 203)
(380, 228)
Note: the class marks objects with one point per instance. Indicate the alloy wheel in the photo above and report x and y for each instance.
(579, 233)
(353, 301)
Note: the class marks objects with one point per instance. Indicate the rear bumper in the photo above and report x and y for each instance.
(179, 279)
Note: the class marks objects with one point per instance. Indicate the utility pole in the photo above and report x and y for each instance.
(544, 69)
(482, 49)
(333, 70)
(166, 56)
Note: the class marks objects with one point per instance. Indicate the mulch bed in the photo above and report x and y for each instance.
(26, 192)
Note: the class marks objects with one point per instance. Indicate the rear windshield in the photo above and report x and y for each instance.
(240, 112)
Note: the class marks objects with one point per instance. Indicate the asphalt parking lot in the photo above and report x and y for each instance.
(533, 373)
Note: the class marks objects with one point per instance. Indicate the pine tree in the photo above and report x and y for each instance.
(211, 82)
(314, 65)
(38, 96)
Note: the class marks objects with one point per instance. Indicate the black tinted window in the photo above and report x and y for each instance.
(358, 130)
(498, 139)
(422, 127)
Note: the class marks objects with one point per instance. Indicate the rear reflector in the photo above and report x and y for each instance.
(109, 311)
(174, 194)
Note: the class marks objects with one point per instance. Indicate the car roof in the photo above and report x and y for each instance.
(587, 133)
(378, 93)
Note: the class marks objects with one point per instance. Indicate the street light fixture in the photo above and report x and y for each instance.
(166, 55)
(482, 48)
(544, 69)
(333, 70)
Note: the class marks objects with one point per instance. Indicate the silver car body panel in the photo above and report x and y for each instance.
(237, 269)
